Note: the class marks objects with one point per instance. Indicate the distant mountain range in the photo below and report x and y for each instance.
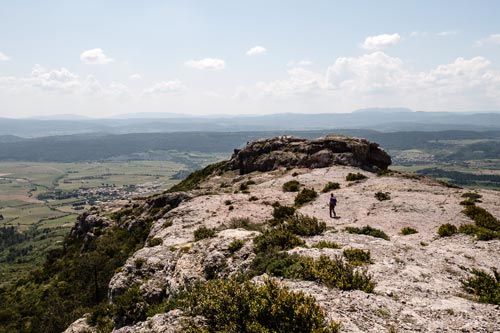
(380, 119)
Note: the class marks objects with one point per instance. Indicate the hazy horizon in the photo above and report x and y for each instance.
(100, 59)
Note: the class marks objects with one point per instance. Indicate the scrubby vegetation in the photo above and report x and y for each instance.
(486, 226)
(155, 241)
(484, 285)
(243, 223)
(72, 281)
(305, 196)
(304, 225)
(330, 186)
(203, 232)
(357, 256)
(235, 245)
(351, 177)
(326, 244)
(381, 196)
(229, 306)
(276, 239)
(197, 177)
(447, 230)
(281, 212)
(367, 230)
(408, 231)
(291, 186)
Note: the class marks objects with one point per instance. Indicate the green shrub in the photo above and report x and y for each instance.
(243, 223)
(229, 306)
(330, 186)
(367, 230)
(408, 231)
(228, 202)
(446, 230)
(467, 202)
(282, 212)
(305, 196)
(277, 238)
(295, 174)
(167, 224)
(235, 245)
(203, 232)
(472, 196)
(243, 187)
(155, 241)
(197, 177)
(335, 273)
(386, 172)
(230, 208)
(468, 229)
(357, 256)
(381, 196)
(304, 225)
(326, 244)
(482, 217)
(484, 285)
(253, 198)
(129, 307)
(291, 186)
(250, 182)
(355, 176)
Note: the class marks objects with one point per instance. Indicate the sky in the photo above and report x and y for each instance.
(102, 58)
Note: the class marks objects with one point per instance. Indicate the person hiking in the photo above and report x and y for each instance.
(333, 203)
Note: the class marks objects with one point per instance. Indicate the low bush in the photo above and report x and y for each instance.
(305, 196)
(229, 306)
(253, 198)
(367, 230)
(355, 176)
(381, 196)
(482, 217)
(155, 241)
(357, 256)
(446, 230)
(304, 225)
(227, 202)
(277, 238)
(484, 285)
(167, 224)
(203, 232)
(291, 186)
(408, 231)
(472, 196)
(235, 245)
(326, 244)
(282, 212)
(330, 186)
(243, 223)
(467, 202)
(243, 187)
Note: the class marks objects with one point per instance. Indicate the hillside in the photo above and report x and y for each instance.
(243, 220)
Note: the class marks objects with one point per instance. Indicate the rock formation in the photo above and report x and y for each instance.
(289, 151)
(418, 277)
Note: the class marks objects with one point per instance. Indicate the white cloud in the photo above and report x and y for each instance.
(95, 57)
(61, 80)
(447, 33)
(173, 87)
(135, 77)
(491, 39)
(379, 79)
(417, 33)
(207, 64)
(256, 50)
(300, 63)
(4, 57)
(380, 41)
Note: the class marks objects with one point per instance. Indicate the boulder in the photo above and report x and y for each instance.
(289, 151)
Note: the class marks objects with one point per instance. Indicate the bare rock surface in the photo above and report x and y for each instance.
(290, 151)
(418, 277)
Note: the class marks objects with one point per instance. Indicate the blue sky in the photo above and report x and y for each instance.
(100, 58)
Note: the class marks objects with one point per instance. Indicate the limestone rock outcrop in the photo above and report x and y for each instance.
(289, 151)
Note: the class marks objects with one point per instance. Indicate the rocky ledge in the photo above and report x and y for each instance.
(289, 151)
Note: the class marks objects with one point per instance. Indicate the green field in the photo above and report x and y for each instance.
(29, 204)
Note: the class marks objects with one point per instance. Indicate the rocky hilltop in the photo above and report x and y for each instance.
(264, 214)
(289, 151)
